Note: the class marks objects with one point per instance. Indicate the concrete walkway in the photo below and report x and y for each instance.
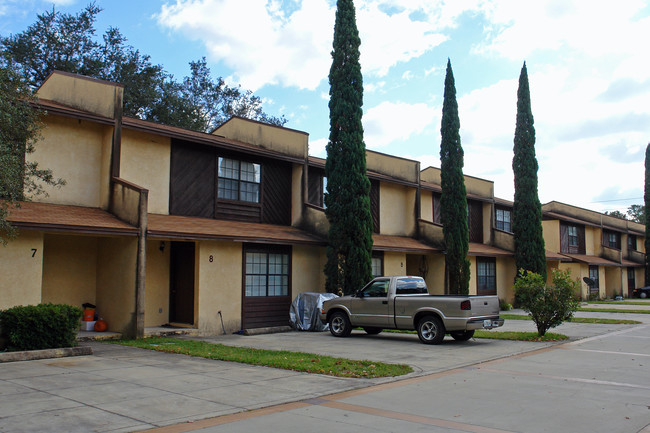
(121, 389)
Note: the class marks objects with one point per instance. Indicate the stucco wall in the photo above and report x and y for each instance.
(21, 273)
(506, 272)
(145, 162)
(397, 209)
(551, 233)
(436, 276)
(394, 263)
(283, 140)
(70, 269)
(426, 206)
(116, 263)
(74, 151)
(296, 194)
(157, 284)
(613, 281)
(219, 286)
(306, 270)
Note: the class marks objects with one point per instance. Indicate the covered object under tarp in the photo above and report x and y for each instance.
(305, 310)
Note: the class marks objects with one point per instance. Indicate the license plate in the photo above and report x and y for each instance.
(487, 323)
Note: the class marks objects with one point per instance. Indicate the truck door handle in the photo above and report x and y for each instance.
(384, 302)
(485, 303)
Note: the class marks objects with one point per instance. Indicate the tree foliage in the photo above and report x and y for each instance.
(453, 201)
(65, 42)
(347, 200)
(530, 253)
(20, 177)
(636, 212)
(548, 306)
(616, 214)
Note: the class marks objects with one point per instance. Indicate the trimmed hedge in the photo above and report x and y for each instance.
(44, 326)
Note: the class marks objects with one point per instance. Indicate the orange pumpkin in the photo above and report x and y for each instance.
(101, 325)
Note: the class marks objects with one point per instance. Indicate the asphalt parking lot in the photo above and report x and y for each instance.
(600, 381)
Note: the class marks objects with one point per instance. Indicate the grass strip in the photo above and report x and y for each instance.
(620, 302)
(296, 361)
(613, 310)
(577, 320)
(519, 336)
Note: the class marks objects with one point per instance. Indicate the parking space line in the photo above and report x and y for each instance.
(610, 352)
(564, 379)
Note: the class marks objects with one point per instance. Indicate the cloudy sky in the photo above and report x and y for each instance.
(587, 63)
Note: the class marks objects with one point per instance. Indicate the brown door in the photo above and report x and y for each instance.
(181, 289)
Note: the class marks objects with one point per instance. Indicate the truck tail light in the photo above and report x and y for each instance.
(466, 305)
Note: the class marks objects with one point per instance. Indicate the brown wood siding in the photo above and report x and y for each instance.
(276, 193)
(266, 311)
(315, 186)
(475, 220)
(238, 211)
(374, 205)
(437, 218)
(192, 180)
(564, 239)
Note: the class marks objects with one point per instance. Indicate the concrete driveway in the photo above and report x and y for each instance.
(599, 382)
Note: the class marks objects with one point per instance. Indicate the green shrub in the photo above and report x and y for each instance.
(504, 306)
(548, 306)
(43, 326)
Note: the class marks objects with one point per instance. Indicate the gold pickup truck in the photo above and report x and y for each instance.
(404, 302)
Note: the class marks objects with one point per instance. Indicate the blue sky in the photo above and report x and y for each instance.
(587, 63)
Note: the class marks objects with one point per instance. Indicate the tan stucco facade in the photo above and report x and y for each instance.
(157, 283)
(77, 151)
(70, 269)
(21, 267)
(307, 265)
(218, 286)
(396, 209)
(145, 162)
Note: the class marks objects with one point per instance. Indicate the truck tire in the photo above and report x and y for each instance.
(372, 331)
(431, 330)
(462, 335)
(340, 324)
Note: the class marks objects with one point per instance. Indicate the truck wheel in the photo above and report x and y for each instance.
(462, 335)
(431, 330)
(372, 331)
(340, 324)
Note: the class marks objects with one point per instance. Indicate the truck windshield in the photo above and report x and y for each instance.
(411, 286)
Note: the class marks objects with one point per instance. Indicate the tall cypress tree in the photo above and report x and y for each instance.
(453, 202)
(347, 201)
(646, 198)
(530, 253)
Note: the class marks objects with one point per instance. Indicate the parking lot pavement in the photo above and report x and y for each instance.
(597, 384)
(120, 389)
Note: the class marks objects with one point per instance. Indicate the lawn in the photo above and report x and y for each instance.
(577, 319)
(297, 361)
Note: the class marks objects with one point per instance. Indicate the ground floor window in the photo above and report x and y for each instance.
(377, 264)
(486, 275)
(593, 275)
(267, 273)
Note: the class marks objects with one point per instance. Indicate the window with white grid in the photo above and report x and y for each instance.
(238, 180)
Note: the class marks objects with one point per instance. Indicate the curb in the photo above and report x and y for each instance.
(31, 355)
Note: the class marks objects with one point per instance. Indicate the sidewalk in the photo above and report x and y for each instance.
(121, 389)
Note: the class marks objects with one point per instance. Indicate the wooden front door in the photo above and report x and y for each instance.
(181, 288)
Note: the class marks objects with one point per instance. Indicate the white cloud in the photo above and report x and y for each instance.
(391, 122)
(257, 40)
(317, 147)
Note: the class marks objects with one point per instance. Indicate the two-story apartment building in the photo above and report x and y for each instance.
(608, 251)
(161, 225)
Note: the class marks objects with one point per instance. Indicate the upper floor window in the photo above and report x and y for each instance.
(503, 219)
(573, 236)
(239, 180)
(612, 240)
(631, 242)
